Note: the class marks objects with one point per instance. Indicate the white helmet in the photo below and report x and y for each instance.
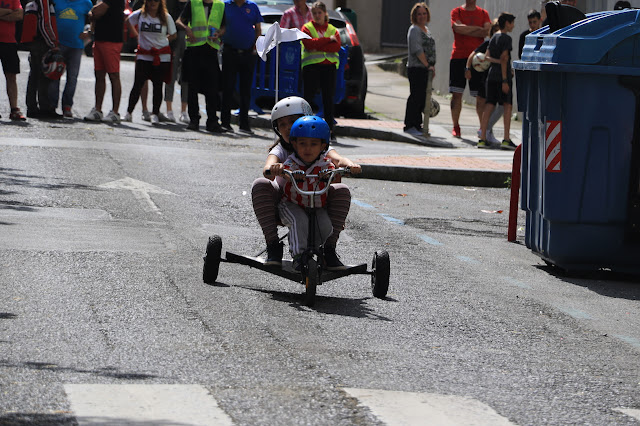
(293, 105)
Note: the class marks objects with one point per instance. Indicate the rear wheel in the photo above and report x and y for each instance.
(212, 260)
(381, 269)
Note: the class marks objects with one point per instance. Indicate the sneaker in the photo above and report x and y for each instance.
(112, 117)
(127, 117)
(184, 117)
(154, 119)
(456, 132)
(215, 128)
(491, 138)
(413, 131)
(483, 144)
(332, 261)
(297, 263)
(163, 118)
(51, 114)
(193, 125)
(246, 130)
(94, 115)
(274, 253)
(508, 144)
(66, 112)
(169, 117)
(16, 115)
(227, 128)
(146, 116)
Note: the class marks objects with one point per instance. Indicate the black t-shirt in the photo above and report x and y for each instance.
(521, 42)
(483, 47)
(109, 27)
(498, 44)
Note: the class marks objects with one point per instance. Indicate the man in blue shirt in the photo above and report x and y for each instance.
(239, 55)
(70, 17)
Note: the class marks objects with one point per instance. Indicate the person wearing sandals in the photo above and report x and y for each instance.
(420, 69)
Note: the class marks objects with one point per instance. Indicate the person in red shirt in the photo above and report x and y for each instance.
(320, 61)
(297, 15)
(10, 12)
(470, 24)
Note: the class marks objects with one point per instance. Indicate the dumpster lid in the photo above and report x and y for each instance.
(598, 39)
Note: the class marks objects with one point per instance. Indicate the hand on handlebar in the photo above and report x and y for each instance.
(354, 168)
(273, 170)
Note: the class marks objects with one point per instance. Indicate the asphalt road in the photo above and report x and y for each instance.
(104, 316)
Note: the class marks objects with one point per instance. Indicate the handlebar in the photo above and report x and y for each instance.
(326, 175)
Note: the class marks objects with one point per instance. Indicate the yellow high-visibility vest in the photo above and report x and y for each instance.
(316, 57)
(199, 24)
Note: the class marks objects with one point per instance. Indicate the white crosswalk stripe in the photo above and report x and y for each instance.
(418, 409)
(135, 404)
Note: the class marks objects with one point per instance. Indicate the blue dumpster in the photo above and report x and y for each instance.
(579, 90)
(290, 76)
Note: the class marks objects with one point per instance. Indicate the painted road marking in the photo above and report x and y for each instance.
(630, 340)
(468, 259)
(139, 189)
(630, 412)
(517, 283)
(429, 240)
(137, 404)
(391, 219)
(362, 204)
(411, 408)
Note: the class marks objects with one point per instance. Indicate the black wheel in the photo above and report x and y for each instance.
(310, 281)
(381, 269)
(212, 260)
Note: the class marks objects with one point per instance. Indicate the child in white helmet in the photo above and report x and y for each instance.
(266, 193)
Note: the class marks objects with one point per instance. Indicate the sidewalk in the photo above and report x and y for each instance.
(441, 159)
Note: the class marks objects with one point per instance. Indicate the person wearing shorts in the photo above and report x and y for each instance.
(108, 19)
(499, 87)
(470, 24)
(9, 53)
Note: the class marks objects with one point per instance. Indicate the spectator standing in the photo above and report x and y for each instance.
(297, 15)
(108, 19)
(320, 61)
(204, 24)
(70, 18)
(10, 13)
(482, 91)
(239, 55)
(621, 5)
(534, 24)
(40, 32)
(470, 24)
(178, 45)
(155, 28)
(499, 80)
(420, 69)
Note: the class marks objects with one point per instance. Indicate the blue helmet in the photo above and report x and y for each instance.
(311, 126)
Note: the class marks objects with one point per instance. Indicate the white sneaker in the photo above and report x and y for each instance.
(112, 117)
(94, 115)
(184, 117)
(146, 115)
(154, 119)
(491, 138)
(169, 117)
(127, 117)
(413, 131)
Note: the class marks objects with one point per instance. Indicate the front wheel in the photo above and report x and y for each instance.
(212, 259)
(310, 281)
(380, 275)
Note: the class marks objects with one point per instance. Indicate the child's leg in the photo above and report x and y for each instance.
(507, 120)
(338, 205)
(295, 218)
(265, 195)
(495, 116)
(324, 226)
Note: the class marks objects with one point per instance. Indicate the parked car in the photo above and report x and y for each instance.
(355, 73)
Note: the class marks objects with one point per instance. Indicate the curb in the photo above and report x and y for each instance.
(436, 175)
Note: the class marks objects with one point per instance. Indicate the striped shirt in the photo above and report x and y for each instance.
(293, 18)
(289, 194)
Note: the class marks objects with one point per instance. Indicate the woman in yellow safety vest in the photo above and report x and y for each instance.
(320, 60)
